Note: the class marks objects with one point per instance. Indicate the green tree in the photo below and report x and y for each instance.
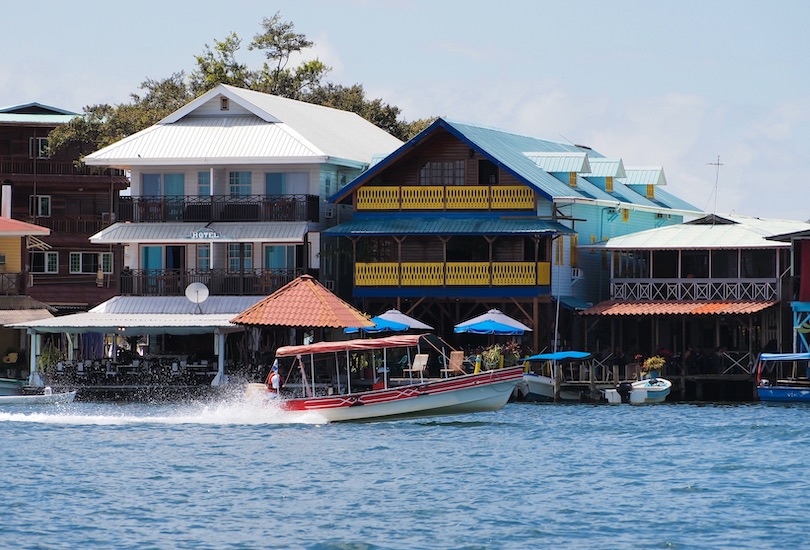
(104, 124)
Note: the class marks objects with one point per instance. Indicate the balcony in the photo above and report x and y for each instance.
(11, 283)
(456, 274)
(695, 290)
(452, 197)
(220, 282)
(219, 208)
(80, 225)
(45, 167)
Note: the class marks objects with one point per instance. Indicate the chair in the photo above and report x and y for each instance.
(455, 364)
(419, 365)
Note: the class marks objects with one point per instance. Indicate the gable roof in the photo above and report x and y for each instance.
(35, 113)
(708, 232)
(303, 302)
(561, 162)
(255, 128)
(9, 227)
(515, 154)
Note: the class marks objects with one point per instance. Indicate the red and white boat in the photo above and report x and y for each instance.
(414, 396)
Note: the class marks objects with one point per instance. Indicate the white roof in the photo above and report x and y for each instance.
(133, 315)
(560, 162)
(202, 232)
(644, 175)
(604, 168)
(742, 232)
(256, 128)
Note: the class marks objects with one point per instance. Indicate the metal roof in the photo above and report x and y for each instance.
(561, 162)
(134, 315)
(35, 113)
(10, 227)
(644, 175)
(612, 307)
(509, 151)
(260, 128)
(446, 226)
(604, 168)
(202, 232)
(742, 232)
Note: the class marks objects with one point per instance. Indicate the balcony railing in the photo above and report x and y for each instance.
(173, 282)
(453, 274)
(695, 289)
(452, 197)
(47, 167)
(80, 225)
(219, 208)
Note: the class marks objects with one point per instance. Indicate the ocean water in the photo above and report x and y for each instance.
(230, 475)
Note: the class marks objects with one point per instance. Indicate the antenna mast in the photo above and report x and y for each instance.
(717, 164)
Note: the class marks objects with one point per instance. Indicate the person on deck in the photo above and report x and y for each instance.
(274, 380)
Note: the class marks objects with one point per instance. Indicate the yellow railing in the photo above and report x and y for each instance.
(378, 198)
(453, 197)
(453, 274)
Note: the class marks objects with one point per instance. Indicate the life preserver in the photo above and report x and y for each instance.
(270, 387)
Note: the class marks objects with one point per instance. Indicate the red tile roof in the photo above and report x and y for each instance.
(303, 302)
(15, 228)
(613, 307)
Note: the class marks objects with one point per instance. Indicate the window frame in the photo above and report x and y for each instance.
(47, 256)
(106, 262)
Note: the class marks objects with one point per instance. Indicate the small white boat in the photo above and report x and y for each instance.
(47, 397)
(537, 384)
(410, 398)
(644, 391)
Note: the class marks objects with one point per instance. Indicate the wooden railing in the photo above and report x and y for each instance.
(453, 274)
(195, 208)
(694, 289)
(173, 282)
(452, 197)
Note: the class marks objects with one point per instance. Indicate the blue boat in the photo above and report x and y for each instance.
(783, 377)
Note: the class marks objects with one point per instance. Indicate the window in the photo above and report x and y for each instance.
(44, 262)
(40, 206)
(240, 256)
(160, 185)
(240, 184)
(609, 184)
(279, 257)
(204, 257)
(204, 184)
(574, 251)
(38, 148)
(572, 179)
(87, 262)
(650, 191)
(443, 173)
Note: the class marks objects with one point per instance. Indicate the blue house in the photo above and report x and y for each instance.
(463, 218)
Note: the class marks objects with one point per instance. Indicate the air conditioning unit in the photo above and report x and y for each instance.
(576, 273)
(329, 213)
(329, 284)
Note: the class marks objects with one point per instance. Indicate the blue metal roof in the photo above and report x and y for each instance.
(385, 225)
(513, 153)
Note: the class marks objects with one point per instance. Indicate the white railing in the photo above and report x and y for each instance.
(695, 289)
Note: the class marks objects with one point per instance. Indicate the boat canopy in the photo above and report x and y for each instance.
(362, 344)
(560, 356)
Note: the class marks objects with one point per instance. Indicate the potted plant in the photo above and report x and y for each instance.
(652, 366)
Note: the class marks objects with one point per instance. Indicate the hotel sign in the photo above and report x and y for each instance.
(206, 234)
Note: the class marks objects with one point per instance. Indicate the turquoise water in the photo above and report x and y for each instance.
(226, 475)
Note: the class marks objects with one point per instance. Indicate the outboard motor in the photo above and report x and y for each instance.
(624, 389)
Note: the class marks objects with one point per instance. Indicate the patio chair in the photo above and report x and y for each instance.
(419, 365)
(455, 364)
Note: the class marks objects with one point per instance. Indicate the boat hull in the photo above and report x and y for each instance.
(650, 390)
(38, 399)
(536, 388)
(11, 386)
(791, 394)
(471, 393)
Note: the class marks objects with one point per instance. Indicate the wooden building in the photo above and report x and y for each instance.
(56, 191)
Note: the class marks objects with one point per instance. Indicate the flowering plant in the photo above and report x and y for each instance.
(656, 362)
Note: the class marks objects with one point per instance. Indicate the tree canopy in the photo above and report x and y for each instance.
(104, 124)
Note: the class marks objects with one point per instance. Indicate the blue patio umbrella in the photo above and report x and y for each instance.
(380, 325)
(492, 322)
(392, 321)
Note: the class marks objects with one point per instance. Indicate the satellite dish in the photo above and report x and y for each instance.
(197, 293)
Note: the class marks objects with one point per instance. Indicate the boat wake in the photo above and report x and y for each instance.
(235, 411)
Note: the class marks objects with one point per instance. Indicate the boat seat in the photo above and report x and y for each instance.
(419, 365)
(455, 364)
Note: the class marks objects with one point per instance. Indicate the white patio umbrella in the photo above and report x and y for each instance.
(492, 322)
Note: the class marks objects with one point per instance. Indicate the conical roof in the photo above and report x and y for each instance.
(303, 302)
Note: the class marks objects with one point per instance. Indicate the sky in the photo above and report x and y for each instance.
(674, 83)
